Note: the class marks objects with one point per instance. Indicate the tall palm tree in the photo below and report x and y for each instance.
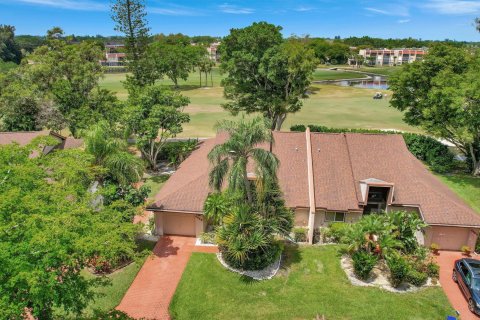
(111, 152)
(231, 159)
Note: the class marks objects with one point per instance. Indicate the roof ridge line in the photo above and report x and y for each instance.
(311, 186)
(351, 167)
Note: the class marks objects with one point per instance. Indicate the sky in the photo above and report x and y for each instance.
(424, 19)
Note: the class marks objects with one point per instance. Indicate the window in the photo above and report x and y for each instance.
(335, 216)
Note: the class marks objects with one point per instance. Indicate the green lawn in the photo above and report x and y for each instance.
(155, 183)
(467, 187)
(328, 105)
(386, 71)
(311, 282)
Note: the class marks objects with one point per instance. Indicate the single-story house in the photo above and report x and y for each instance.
(327, 177)
(25, 137)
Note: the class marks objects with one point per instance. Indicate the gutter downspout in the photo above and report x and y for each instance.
(311, 187)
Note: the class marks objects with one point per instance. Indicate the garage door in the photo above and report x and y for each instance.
(181, 224)
(450, 238)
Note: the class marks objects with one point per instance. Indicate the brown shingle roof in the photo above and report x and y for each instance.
(22, 138)
(340, 162)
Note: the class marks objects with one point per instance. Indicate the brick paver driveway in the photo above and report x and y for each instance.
(446, 260)
(152, 290)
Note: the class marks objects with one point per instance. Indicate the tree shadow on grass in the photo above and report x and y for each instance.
(291, 255)
(248, 280)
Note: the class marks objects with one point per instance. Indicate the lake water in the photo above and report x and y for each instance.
(374, 82)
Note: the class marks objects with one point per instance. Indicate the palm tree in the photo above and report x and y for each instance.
(111, 152)
(231, 159)
(216, 207)
(243, 236)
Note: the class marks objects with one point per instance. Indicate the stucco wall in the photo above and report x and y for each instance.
(184, 223)
(451, 238)
(158, 223)
(301, 217)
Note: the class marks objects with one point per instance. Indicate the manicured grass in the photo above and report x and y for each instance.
(467, 187)
(155, 183)
(386, 71)
(328, 105)
(325, 74)
(311, 283)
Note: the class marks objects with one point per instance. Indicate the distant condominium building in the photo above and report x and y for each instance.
(114, 55)
(391, 57)
(213, 52)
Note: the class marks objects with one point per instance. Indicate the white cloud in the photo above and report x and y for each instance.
(390, 10)
(403, 21)
(177, 11)
(303, 9)
(233, 9)
(84, 5)
(453, 6)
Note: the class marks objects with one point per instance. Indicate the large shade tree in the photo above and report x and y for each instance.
(264, 73)
(9, 49)
(57, 89)
(174, 57)
(49, 232)
(153, 115)
(441, 95)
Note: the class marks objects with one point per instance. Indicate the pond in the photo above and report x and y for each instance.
(371, 81)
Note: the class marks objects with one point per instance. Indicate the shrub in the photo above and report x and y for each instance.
(416, 278)
(466, 250)
(363, 263)
(132, 195)
(399, 269)
(177, 151)
(300, 234)
(433, 270)
(317, 235)
(434, 153)
(208, 237)
(337, 231)
(257, 259)
(434, 247)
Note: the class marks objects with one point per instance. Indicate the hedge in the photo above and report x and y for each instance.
(425, 148)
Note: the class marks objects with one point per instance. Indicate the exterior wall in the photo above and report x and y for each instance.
(200, 225)
(301, 217)
(451, 238)
(350, 217)
(158, 223)
(185, 224)
(319, 219)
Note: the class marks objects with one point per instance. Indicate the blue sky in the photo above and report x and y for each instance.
(427, 19)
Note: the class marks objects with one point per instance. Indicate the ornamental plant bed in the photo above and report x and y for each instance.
(379, 278)
(110, 270)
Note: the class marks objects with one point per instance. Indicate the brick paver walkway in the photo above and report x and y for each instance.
(446, 260)
(152, 290)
